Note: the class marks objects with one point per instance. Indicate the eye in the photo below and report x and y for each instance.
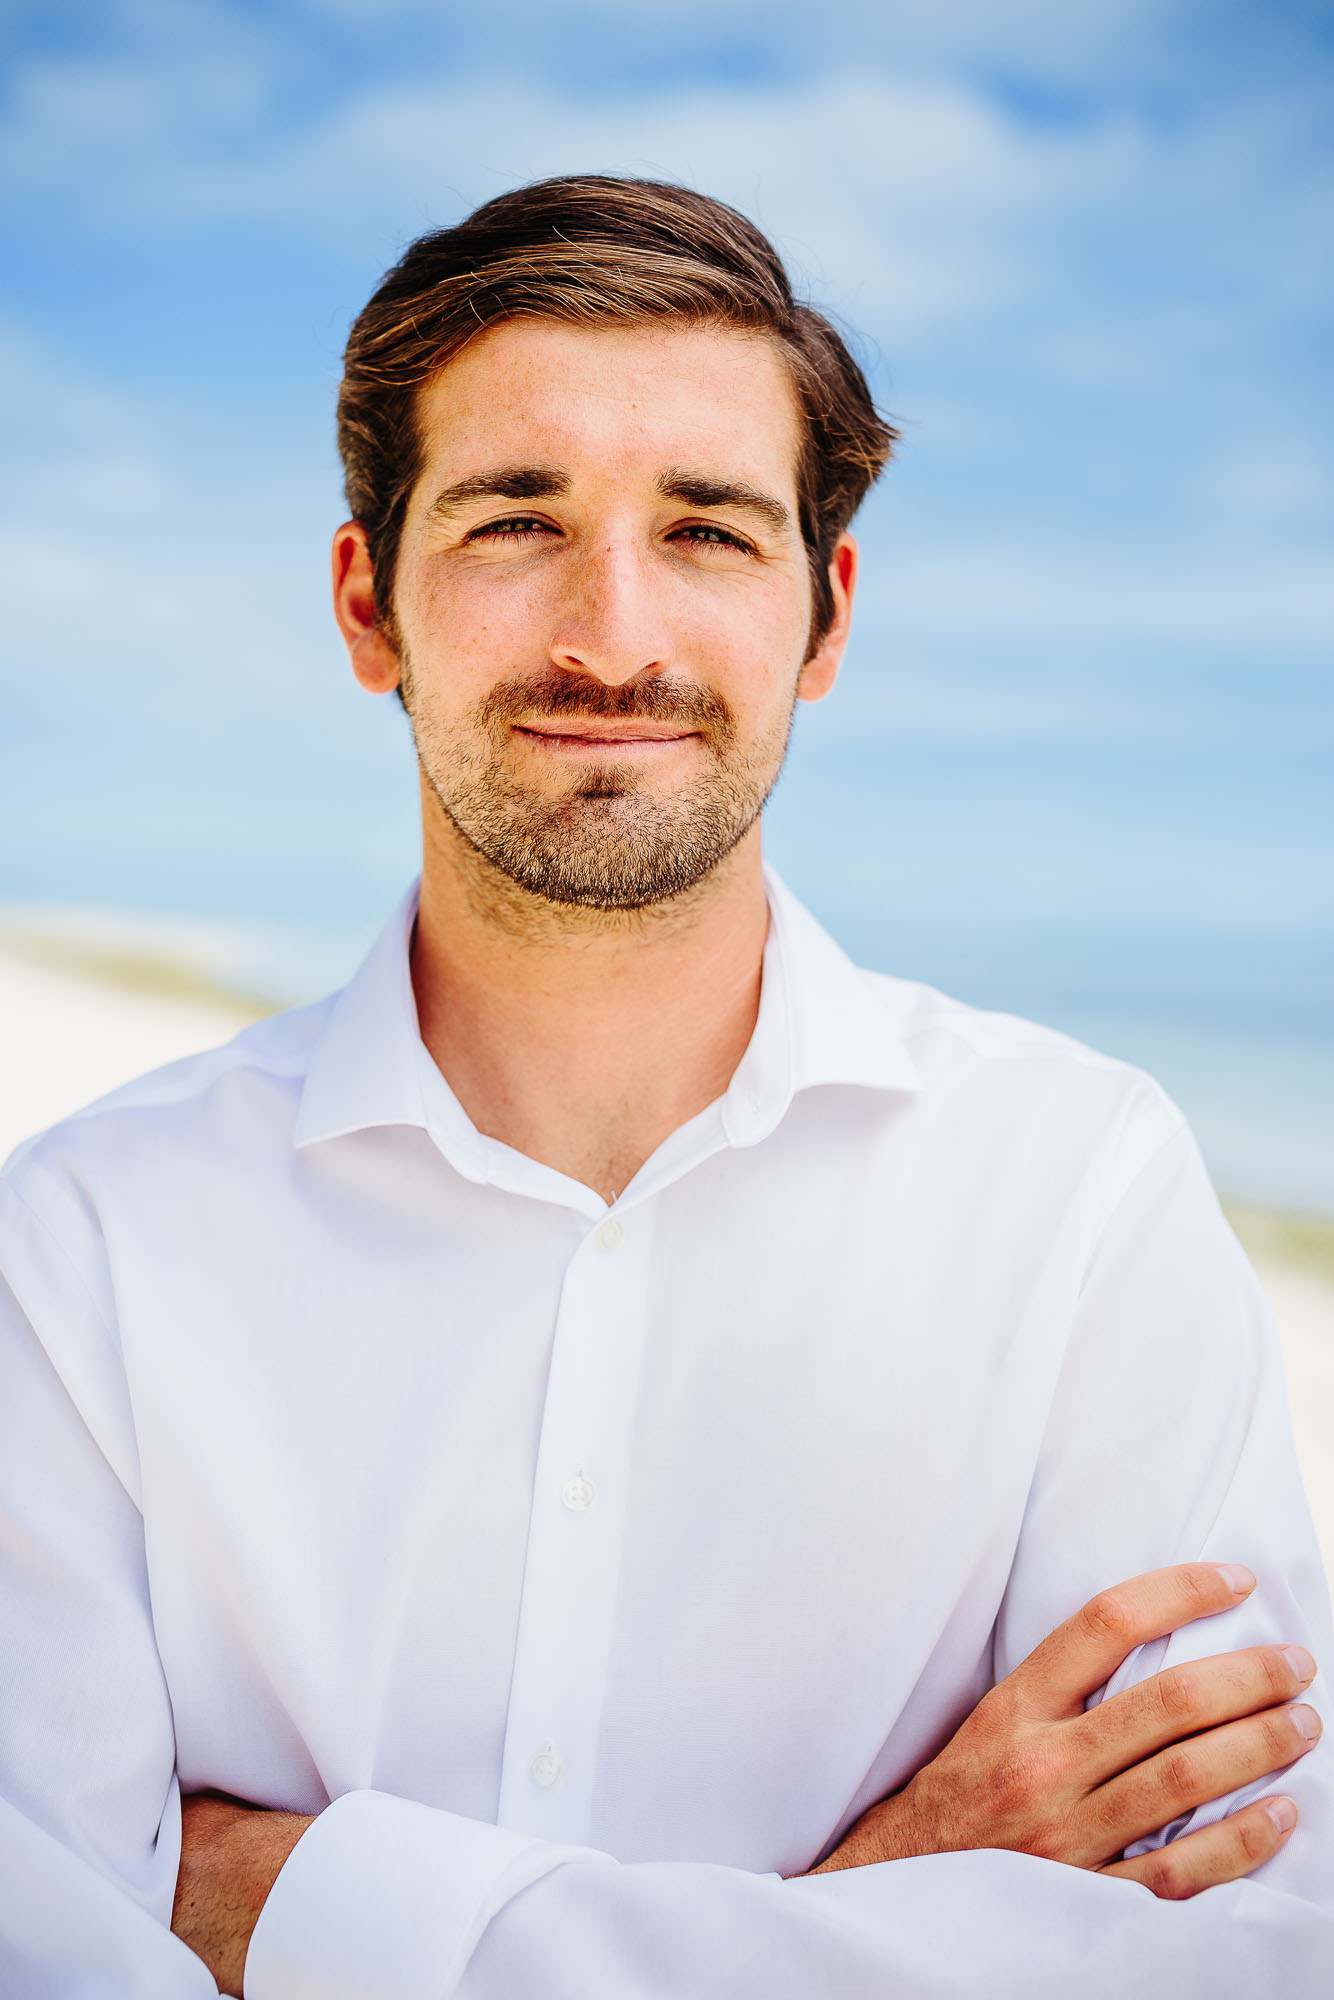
(513, 528)
(709, 535)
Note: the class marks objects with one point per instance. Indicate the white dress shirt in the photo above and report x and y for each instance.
(589, 1569)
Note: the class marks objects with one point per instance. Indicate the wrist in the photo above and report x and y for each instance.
(231, 1856)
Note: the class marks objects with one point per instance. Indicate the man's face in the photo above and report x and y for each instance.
(603, 601)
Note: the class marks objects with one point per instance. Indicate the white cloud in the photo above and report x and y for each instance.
(1263, 482)
(1098, 43)
(76, 443)
(911, 197)
(873, 177)
(1227, 602)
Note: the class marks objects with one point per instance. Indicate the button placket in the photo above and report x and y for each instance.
(572, 1561)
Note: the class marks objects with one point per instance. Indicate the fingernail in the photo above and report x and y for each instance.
(1283, 1813)
(1300, 1661)
(1306, 1720)
(1237, 1577)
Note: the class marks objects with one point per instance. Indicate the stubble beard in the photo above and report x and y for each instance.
(609, 842)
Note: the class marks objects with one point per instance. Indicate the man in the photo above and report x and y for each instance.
(606, 1458)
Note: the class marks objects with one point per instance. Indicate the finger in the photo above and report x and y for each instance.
(1223, 1852)
(1183, 1700)
(1189, 1774)
(1059, 1675)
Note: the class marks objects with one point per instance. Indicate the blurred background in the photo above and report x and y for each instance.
(1079, 764)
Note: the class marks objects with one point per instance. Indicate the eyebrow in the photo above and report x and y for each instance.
(698, 489)
(500, 482)
(544, 482)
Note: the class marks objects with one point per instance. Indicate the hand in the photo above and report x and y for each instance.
(1034, 1771)
(230, 1858)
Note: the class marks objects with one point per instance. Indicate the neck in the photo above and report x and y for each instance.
(583, 1038)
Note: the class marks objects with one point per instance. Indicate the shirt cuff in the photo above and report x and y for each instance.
(382, 1895)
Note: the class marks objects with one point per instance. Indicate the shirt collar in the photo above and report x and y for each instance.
(819, 1022)
(364, 1068)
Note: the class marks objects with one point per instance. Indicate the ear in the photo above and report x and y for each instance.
(821, 670)
(374, 661)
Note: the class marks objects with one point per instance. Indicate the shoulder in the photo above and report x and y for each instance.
(1029, 1085)
(99, 1199)
(946, 1034)
(244, 1092)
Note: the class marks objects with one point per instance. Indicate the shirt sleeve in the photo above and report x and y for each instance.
(1168, 1440)
(89, 1808)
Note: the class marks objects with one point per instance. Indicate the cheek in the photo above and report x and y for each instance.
(753, 659)
(471, 628)
(758, 627)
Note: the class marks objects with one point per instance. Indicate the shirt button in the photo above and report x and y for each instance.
(610, 1235)
(578, 1494)
(546, 1768)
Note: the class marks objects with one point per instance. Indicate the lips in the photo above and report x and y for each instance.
(607, 737)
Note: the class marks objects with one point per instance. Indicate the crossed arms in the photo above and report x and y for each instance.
(1031, 1770)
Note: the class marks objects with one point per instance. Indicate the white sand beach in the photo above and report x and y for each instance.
(77, 1019)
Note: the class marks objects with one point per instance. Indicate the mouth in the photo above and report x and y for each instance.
(624, 738)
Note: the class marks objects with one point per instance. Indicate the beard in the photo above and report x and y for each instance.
(609, 841)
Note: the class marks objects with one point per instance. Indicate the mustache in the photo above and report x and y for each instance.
(555, 695)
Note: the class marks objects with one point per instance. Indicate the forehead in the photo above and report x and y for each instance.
(614, 400)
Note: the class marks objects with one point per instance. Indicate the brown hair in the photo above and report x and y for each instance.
(590, 249)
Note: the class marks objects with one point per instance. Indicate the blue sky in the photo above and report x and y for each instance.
(1086, 252)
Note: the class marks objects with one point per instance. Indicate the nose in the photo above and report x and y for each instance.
(611, 624)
